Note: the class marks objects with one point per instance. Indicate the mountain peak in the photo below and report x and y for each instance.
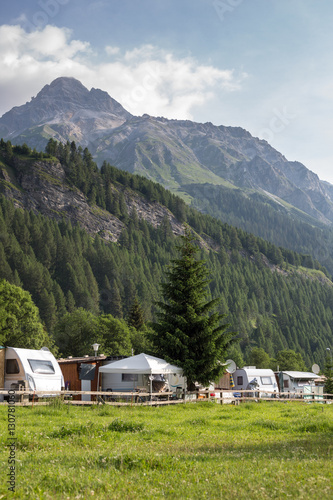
(66, 80)
(64, 83)
(69, 108)
(65, 91)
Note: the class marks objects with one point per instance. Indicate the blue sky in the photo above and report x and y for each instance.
(264, 65)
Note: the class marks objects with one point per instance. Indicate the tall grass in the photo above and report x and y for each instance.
(192, 451)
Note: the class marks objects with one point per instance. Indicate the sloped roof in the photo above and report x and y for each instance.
(305, 375)
(141, 363)
(252, 371)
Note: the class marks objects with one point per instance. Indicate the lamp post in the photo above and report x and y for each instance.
(95, 347)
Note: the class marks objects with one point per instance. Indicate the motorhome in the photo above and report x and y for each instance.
(37, 370)
(259, 379)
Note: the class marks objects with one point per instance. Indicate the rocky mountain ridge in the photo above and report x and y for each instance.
(64, 109)
(41, 186)
(175, 153)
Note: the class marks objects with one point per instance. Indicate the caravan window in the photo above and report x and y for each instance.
(12, 366)
(41, 366)
(129, 377)
(266, 381)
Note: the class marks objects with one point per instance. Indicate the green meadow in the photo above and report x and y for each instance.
(188, 451)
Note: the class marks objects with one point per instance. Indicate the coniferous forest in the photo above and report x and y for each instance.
(275, 299)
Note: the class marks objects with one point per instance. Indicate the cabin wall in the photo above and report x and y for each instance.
(224, 382)
(71, 374)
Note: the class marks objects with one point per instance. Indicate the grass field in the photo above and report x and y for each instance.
(193, 451)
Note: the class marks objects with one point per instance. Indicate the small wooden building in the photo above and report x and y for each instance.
(225, 382)
(81, 374)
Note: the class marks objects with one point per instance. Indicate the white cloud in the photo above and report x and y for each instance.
(144, 80)
(111, 51)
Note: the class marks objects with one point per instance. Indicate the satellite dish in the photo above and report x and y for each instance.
(231, 366)
(45, 349)
(315, 368)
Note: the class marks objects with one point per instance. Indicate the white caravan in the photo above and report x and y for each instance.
(38, 367)
(259, 379)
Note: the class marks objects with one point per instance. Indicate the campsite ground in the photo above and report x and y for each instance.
(193, 451)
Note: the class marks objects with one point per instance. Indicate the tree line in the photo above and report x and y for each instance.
(66, 270)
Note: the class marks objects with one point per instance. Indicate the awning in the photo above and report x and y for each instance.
(141, 363)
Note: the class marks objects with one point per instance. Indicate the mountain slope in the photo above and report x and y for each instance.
(179, 154)
(176, 153)
(274, 298)
(42, 185)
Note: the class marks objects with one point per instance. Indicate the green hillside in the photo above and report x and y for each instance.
(266, 216)
(274, 298)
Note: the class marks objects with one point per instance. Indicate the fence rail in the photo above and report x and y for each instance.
(25, 397)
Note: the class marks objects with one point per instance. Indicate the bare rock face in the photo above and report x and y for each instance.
(175, 153)
(41, 186)
(65, 109)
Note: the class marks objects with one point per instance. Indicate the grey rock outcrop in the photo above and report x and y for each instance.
(41, 186)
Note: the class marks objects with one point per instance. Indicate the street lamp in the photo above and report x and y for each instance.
(95, 347)
(329, 350)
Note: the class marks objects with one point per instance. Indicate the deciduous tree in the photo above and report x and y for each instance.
(290, 360)
(20, 324)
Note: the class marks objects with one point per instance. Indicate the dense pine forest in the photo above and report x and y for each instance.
(282, 225)
(274, 298)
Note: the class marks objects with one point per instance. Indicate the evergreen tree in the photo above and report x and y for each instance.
(328, 372)
(115, 305)
(48, 309)
(187, 334)
(70, 302)
(135, 315)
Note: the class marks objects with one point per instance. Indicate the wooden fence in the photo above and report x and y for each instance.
(26, 397)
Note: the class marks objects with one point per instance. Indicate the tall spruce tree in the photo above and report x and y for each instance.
(188, 333)
(136, 315)
(328, 372)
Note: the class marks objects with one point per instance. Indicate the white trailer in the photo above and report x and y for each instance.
(37, 370)
(297, 382)
(253, 378)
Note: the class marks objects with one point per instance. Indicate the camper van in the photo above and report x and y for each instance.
(38, 367)
(256, 379)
